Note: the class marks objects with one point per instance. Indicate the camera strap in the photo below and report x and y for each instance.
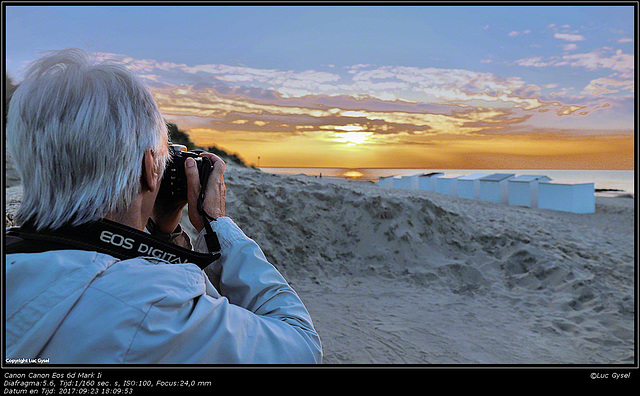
(103, 236)
(210, 237)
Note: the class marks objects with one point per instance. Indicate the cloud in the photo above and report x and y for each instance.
(569, 37)
(599, 59)
(516, 33)
(568, 110)
(386, 83)
(595, 60)
(450, 85)
(348, 114)
(569, 47)
(536, 61)
(364, 98)
(291, 82)
(601, 86)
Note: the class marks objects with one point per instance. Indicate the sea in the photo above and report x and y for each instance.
(617, 180)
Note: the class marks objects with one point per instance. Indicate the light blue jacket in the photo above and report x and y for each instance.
(82, 307)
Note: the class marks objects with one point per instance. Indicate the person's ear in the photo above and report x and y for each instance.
(149, 172)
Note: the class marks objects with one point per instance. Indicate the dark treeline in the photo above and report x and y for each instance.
(178, 136)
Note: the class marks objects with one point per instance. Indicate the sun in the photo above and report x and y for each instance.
(353, 138)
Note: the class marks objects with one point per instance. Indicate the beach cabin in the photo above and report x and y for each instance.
(398, 182)
(402, 182)
(385, 181)
(427, 181)
(494, 187)
(469, 185)
(447, 185)
(411, 181)
(523, 190)
(567, 197)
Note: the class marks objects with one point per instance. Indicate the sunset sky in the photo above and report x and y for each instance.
(440, 87)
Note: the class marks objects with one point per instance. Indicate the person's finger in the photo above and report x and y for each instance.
(217, 173)
(215, 160)
(193, 179)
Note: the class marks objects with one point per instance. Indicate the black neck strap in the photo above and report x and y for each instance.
(210, 237)
(111, 238)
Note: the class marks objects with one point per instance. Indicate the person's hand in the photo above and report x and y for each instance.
(215, 194)
(167, 214)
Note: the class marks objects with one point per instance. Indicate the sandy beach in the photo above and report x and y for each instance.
(414, 277)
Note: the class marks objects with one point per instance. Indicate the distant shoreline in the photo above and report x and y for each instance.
(461, 169)
(608, 181)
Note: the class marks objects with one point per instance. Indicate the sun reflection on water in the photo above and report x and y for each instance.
(352, 174)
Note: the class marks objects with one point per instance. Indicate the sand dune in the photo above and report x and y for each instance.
(413, 277)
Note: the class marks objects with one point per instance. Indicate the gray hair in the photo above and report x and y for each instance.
(77, 130)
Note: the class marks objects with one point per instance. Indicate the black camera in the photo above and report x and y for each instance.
(174, 181)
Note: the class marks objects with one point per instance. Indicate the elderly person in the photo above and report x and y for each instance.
(91, 147)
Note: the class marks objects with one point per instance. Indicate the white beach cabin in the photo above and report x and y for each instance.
(411, 181)
(385, 181)
(398, 182)
(494, 187)
(402, 182)
(447, 185)
(523, 190)
(567, 197)
(427, 181)
(469, 185)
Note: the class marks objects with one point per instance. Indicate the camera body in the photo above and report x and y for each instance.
(174, 181)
